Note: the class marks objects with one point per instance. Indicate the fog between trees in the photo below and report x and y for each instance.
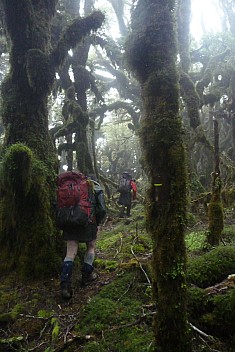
(157, 84)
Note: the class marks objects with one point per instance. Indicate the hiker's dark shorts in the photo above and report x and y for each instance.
(81, 234)
(125, 198)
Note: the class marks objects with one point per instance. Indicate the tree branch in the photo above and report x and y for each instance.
(74, 33)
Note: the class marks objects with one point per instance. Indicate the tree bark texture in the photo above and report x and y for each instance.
(26, 88)
(215, 207)
(151, 55)
(187, 87)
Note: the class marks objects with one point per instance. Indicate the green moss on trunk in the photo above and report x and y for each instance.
(215, 208)
(216, 222)
(27, 231)
(151, 55)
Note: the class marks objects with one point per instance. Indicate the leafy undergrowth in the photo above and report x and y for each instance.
(112, 314)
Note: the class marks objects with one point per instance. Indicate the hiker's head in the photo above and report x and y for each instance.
(126, 174)
(92, 177)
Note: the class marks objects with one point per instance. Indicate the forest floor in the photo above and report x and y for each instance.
(31, 311)
(34, 310)
(114, 313)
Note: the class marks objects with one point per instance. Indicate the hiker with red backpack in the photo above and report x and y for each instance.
(80, 209)
(128, 189)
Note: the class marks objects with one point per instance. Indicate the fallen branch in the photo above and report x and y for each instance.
(140, 265)
(207, 345)
(136, 322)
(128, 288)
(36, 347)
(75, 339)
(209, 337)
(69, 328)
(120, 248)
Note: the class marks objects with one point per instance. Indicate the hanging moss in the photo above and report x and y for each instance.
(70, 93)
(74, 33)
(18, 173)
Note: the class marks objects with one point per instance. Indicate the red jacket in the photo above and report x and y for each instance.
(134, 189)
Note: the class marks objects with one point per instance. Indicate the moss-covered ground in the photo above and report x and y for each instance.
(115, 312)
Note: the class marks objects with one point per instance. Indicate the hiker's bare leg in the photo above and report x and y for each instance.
(90, 253)
(72, 250)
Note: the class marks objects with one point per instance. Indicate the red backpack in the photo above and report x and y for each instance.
(75, 201)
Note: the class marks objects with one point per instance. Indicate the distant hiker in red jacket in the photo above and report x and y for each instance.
(128, 189)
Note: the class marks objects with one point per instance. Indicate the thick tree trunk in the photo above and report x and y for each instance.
(76, 105)
(215, 207)
(151, 52)
(27, 189)
(82, 84)
(26, 88)
(188, 90)
(28, 235)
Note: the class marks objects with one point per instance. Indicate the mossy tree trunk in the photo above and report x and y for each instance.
(233, 136)
(26, 88)
(215, 207)
(27, 233)
(232, 107)
(82, 84)
(187, 87)
(75, 114)
(151, 55)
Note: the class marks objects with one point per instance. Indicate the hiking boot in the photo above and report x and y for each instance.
(88, 275)
(87, 278)
(65, 279)
(66, 290)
